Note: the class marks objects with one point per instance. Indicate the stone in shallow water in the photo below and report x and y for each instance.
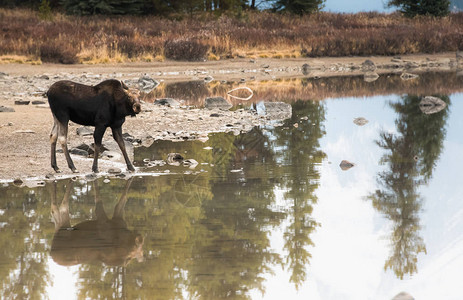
(408, 76)
(18, 182)
(174, 159)
(191, 163)
(50, 176)
(34, 183)
(431, 105)
(370, 76)
(275, 110)
(114, 170)
(91, 177)
(403, 296)
(147, 84)
(360, 121)
(346, 165)
(305, 69)
(217, 102)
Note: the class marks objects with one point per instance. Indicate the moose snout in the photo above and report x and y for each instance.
(136, 108)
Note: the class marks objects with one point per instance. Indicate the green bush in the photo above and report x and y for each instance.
(45, 11)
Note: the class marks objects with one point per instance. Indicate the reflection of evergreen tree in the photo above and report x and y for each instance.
(301, 154)
(411, 157)
(23, 273)
(230, 252)
(424, 133)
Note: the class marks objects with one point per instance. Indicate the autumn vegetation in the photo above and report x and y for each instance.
(26, 36)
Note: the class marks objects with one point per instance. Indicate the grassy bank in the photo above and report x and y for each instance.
(24, 37)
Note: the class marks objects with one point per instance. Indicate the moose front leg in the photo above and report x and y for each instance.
(117, 135)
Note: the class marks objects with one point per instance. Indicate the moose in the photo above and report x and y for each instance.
(93, 241)
(103, 105)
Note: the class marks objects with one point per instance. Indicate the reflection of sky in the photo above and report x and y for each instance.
(63, 283)
(344, 6)
(351, 246)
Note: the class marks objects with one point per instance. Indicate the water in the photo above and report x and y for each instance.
(265, 215)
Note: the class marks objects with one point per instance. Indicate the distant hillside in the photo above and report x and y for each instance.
(456, 5)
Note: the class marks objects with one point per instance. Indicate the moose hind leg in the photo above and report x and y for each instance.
(62, 139)
(53, 140)
(98, 137)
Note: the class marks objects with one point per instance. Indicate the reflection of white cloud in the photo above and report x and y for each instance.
(439, 276)
(443, 270)
(349, 254)
(63, 284)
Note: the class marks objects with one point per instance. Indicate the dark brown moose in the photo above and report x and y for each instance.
(93, 241)
(103, 105)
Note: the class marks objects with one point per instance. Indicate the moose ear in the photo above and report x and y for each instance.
(124, 86)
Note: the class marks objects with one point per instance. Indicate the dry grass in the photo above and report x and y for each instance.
(19, 59)
(98, 39)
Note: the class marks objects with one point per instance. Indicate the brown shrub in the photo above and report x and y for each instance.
(135, 47)
(185, 49)
(58, 52)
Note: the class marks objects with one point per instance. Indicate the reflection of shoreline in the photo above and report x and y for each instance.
(312, 88)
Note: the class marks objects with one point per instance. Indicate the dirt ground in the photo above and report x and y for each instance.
(24, 134)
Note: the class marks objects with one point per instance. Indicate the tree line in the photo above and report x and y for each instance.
(410, 8)
(158, 7)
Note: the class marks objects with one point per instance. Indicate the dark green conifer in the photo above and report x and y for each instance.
(299, 7)
(411, 8)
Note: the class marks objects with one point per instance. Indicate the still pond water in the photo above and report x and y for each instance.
(268, 214)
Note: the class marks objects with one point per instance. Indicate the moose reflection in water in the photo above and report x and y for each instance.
(100, 240)
(411, 156)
